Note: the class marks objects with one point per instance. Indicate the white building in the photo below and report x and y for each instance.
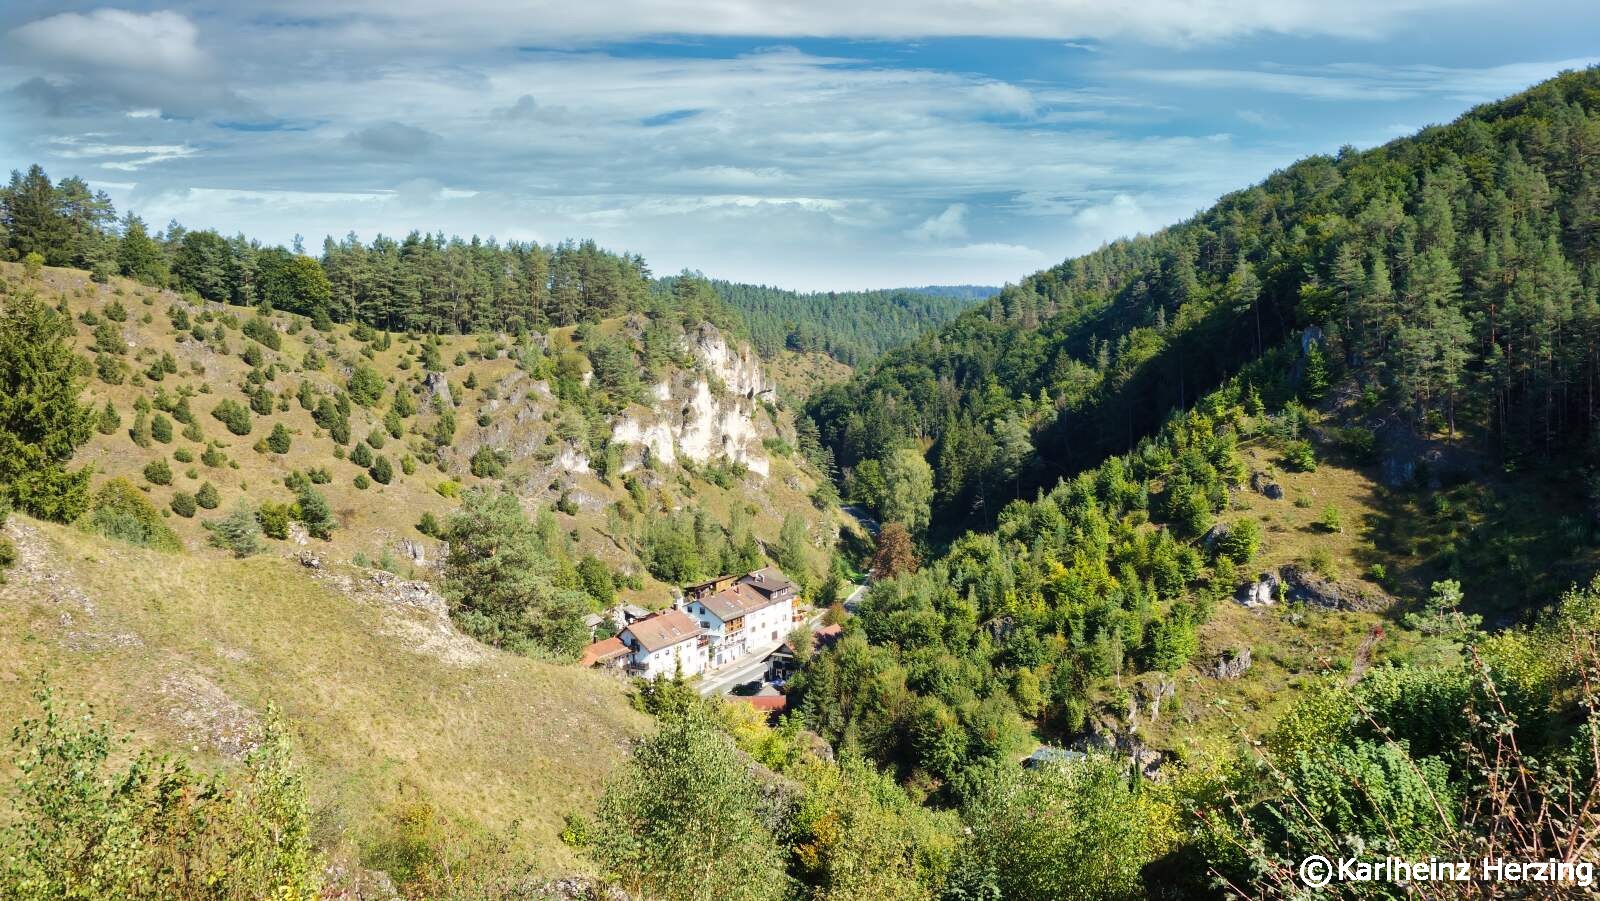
(742, 616)
(665, 644)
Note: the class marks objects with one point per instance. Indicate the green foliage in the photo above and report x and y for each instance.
(1299, 457)
(238, 532)
(853, 327)
(120, 510)
(158, 472)
(274, 520)
(382, 470)
(312, 510)
(365, 386)
(1075, 830)
(232, 414)
(161, 429)
(1331, 519)
(684, 820)
(207, 497)
(503, 585)
(488, 463)
(183, 504)
(279, 440)
(1241, 542)
(81, 828)
(42, 424)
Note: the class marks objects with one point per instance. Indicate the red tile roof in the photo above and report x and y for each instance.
(602, 651)
(768, 703)
(663, 630)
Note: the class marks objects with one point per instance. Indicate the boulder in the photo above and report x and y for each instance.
(1263, 592)
(1230, 664)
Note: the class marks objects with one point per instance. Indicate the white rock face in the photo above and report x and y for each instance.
(691, 421)
(571, 460)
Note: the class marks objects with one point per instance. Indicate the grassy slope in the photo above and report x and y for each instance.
(375, 520)
(1507, 535)
(185, 651)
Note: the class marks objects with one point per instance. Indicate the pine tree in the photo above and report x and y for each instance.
(41, 421)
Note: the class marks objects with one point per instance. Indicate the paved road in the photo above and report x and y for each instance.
(735, 674)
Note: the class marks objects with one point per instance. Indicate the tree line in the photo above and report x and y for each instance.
(1454, 274)
(423, 282)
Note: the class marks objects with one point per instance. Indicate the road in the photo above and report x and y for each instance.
(754, 666)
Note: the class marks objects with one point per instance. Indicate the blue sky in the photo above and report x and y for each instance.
(814, 145)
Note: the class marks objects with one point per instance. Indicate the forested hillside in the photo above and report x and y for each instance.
(853, 327)
(1452, 273)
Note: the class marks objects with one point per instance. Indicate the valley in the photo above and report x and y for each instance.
(430, 568)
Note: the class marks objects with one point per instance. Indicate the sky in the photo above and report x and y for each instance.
(811, 144)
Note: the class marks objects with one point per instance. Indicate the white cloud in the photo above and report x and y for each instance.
(159, 42)
(949, 225)
(1366, 82)
(1175, 22)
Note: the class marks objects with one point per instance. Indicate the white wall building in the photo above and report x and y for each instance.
(665, 644)
(743, 616)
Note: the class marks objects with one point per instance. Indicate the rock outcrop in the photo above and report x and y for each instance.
(696, 421)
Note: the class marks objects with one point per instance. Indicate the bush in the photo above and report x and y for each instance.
(1298, 456)
(361, 455)
(362, 483)
(120, 510)
(158, 472)
(161, 429)
(232, 414)
(1331, 520)
(429, 525)
(274, 520)
(184, 504)
(382, 470)
(279, 441)
(207, 496)
(1241, 543)
(488, 463)
(79, 827)
(312, 509)
(239, 531)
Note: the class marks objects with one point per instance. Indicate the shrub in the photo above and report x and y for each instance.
(261, 400)
(382, 470)
(183, 503)
(1241, 543)
(158, 472)
(312, 509)
(365, 386)
(361, 455)
(232, 414)
(120, 510)
(362, 482)
(161, 429)
(213, 456)
(279, 441)
(238, 532)
(81, 827)
(274, 520)
(429, 525)
(109, 420)
(1331, 520)
(1298, 456)
(488, 463)
(207, 496)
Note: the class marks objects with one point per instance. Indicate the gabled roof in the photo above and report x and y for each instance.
(734, 602)
(663, 630)
(767, 580)
(602, 651)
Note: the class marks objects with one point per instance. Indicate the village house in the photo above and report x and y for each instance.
(715, 623)
(743, 615)
(665, 644)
